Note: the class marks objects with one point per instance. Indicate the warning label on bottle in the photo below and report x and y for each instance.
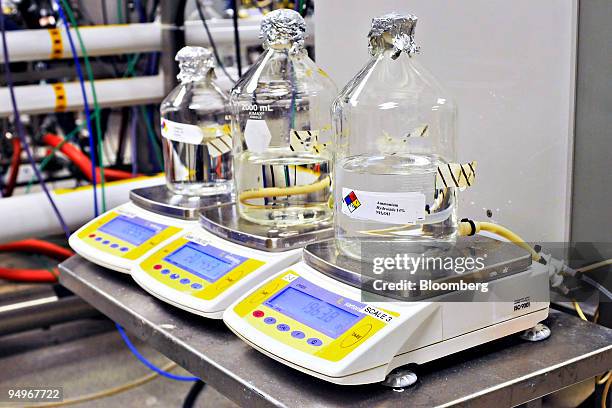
(390, 208)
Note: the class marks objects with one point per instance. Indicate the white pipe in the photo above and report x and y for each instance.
(222, 32)
(30, 45)
(31, 215)
(35, 99)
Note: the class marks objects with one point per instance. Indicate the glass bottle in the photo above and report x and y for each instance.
(195, 129)
(281, 127)
(393, 126)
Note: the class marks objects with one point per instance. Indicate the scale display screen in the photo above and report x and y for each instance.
(313, 312)
(201, 261)
(128, 230)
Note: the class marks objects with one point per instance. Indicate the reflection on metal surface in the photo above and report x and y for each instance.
(501, 259)
(160, 200)
(225, 222)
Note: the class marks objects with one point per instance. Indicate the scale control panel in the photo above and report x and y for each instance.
(120, 236)
(298, 313)
(192, 265)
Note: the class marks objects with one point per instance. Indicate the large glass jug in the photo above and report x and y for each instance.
(196, 129)
(394, 127)
(281, 128)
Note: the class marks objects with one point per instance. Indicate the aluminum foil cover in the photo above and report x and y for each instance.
(283, 27)
(194, 63)
(396, 29)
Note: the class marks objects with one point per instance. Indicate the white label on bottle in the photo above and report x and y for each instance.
(257, 135)
(181, 132)
(389, 208)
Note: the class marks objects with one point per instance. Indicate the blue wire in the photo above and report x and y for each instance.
(20, 129)
(92, 148)
(146, 362)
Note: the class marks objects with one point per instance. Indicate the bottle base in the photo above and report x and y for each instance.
(286, 217)
(200, 189)
(367, 249)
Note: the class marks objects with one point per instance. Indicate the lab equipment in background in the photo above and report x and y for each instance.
(394, 127)
(281, 128)
(195, 129)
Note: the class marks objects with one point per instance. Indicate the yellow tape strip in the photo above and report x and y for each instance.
(456, 175)
(57, 45)
(60, 97)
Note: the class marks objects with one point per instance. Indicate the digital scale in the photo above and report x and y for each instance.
(312, 317)
(206, 268)
(117, 238)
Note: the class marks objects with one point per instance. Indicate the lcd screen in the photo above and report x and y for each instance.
(313, 312)
(128, 230)
(195, 259)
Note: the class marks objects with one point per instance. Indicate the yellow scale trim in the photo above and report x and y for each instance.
(134, 251)
(209, 290)
(331, 349)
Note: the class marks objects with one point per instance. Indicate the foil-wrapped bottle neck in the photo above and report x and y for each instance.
(283, 28)
(394, 31)
(195, 64)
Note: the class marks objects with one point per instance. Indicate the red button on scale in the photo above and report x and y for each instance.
(92, 235)
(156, 267)
(258, 313)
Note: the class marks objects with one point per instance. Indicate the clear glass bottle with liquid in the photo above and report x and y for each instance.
(281, 128)
(195, 127)
(394, 126)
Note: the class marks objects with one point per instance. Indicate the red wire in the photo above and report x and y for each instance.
(14, 169)
(81, 161)
(29, 275)
(38, 247)
(34, 246)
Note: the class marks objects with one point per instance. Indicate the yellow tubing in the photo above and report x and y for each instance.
(283, 191)
(466, 229)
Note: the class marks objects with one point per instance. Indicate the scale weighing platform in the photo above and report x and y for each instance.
(117, 238)
(204, 270)
(311, 316)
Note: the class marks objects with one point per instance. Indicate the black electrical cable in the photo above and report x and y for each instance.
(211, 40)
(193, 394)
(104, 12)
(153, 10)
(125, 112)
(237, 37)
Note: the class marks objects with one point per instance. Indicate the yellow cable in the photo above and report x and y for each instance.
(283, 191)
(605, 378)
(509, 235)
(579, 310)
(597, 265)
(107, 392)
(606, 390)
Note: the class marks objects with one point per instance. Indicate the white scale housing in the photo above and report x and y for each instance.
(383, 335)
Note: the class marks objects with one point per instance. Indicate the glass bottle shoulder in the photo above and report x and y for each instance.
(279, 75)
(202, 96)
(384, 83)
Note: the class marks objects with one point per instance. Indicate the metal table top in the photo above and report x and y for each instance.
(502, 373)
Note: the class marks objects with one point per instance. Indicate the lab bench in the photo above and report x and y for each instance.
(503, 373)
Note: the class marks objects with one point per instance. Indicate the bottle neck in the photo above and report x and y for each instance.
(292, 48)
(189, 76)
(394, 45)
